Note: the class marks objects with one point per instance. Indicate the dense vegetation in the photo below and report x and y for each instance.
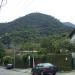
(36, 31)
(32, 27)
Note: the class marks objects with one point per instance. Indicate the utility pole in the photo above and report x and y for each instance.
(14, 54)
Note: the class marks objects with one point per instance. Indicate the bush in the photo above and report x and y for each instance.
(7, 60)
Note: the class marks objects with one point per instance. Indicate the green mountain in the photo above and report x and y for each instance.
(34, 24)
(69, 24)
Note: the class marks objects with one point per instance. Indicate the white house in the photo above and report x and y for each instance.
(72, 40)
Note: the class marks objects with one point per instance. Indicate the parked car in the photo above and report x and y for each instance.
(9, 66)
(44, 69)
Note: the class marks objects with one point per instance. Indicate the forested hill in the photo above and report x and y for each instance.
(35, 24)
(69, 24)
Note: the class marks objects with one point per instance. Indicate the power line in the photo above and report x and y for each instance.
(3, 3)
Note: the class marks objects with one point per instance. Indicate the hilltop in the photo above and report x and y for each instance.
(34, 25)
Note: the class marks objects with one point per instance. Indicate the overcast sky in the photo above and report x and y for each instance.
(64, 10)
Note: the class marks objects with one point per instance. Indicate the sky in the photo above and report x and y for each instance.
(63, 10)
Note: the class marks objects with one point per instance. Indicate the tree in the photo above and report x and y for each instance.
(2, 52)
(6, 40)
(7, 60)
(66, 45)
(3, 3)
(47, 43)
(30, 46)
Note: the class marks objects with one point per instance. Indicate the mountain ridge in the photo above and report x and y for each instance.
(69, 24)
(35, 23)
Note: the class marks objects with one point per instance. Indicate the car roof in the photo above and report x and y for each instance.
(44, 64)
(9, 64)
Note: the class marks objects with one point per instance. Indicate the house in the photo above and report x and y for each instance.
(72, 40)
(72, 36)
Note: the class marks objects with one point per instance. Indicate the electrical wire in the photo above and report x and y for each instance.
(3, 3)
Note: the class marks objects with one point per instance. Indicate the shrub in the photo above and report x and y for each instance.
(7, 60)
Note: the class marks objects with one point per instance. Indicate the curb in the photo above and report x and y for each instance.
(23, 70)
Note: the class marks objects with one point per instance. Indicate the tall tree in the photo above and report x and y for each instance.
(6, 40)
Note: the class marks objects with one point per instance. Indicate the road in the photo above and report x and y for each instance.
(12, 72)
(67, 73)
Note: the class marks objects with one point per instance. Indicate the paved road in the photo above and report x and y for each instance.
(11, 72)
(26, 72)
(67, 73)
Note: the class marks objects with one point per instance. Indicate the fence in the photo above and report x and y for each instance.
(62, 61)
